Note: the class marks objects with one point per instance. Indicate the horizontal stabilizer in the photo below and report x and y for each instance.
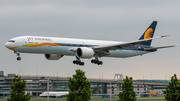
(148, 49)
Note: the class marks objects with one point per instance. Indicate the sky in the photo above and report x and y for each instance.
(117, 20)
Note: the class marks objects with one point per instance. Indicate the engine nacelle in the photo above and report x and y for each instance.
(85, 52)
(53, 56)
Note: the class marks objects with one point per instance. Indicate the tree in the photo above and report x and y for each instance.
(18, 90)
(127, 93)
(94, 91)
(100, 91)
(79, 87)
(172, 92)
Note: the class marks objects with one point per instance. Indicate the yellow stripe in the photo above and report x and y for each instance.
(36, 45)
(14, 47)
(42, 44)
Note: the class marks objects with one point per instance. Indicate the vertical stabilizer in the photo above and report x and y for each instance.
(149, 33)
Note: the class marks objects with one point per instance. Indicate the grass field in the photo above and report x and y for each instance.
(94, 99)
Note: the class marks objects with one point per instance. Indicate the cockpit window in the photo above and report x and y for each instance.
(11, 41)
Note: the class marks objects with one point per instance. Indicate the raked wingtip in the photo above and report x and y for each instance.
(165, 35)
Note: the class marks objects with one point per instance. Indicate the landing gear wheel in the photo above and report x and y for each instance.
(96, 61)
(81, 64)
(78, 62)
(92, 61)
(100, 63)
(74, 62)
(18, 55)
(18, 58)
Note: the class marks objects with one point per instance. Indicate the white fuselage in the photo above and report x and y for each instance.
(53, 94)
(63, 46)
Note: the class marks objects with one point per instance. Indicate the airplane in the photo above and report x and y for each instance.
(55, 48)
(54, 94)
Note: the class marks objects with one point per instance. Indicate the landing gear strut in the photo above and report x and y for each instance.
(18, 56)
(78, 62)
(96, 61)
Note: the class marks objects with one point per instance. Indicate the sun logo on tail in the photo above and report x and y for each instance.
(148, 34)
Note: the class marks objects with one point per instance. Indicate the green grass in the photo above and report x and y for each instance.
(93, 99)
(150, 100)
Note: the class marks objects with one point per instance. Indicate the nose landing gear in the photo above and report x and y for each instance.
(18, 55)
(18, 58)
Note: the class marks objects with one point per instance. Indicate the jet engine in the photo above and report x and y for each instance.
(85, 52)
(53, 56)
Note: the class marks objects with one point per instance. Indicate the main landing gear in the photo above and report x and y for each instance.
(78, 62)
(96, 61)
(18, 56)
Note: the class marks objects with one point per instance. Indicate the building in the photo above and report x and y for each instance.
(38, 84)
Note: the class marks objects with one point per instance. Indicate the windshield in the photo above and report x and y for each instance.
(11, 41)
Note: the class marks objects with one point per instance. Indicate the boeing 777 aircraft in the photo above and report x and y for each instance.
(55, 48)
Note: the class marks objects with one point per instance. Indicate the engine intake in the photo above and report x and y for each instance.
(85, 52)
(53, 56)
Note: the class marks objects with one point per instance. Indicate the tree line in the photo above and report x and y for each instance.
(80, 89)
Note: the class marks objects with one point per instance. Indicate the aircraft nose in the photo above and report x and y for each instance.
(7, 44)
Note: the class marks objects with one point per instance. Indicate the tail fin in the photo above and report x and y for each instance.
(149, 33)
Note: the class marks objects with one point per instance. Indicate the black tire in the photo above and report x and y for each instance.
(78, 62)
(92, 61)
(74, 61)
(96, 62)
(18, 58)
(82, 63)
(100, 62)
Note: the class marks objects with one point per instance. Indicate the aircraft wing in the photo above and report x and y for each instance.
(107, 48)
